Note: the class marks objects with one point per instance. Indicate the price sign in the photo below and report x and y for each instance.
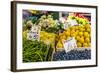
(73, 22)
(70, 44)
(34, 33)
(70, 23)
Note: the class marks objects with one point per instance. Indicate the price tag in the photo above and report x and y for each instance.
(34, 33)
(73, 22)
(66, 25)
(70, 44)
(70, 23)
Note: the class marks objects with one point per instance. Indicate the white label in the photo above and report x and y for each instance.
(69, 23)
(70, 44)
(34, 33)
(66, 25)
(73, 22)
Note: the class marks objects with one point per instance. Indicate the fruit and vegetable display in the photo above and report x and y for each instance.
(82, 35)
(50, 37)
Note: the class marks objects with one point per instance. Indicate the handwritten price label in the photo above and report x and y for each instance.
(34, 33)
(70, 44)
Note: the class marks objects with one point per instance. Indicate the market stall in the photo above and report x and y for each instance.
(54, 36)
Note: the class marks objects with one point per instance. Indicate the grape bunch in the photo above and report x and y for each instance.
(72, 55)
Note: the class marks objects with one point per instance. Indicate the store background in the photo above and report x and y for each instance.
(5, 37)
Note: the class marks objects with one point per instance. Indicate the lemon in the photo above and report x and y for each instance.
(80, 33)
(81, 29)
(72, 31)
(77, 31)
(77, 38)
(67, 33)
(76, 27)
(67, 37)
(85, 45)
(82, 37)
(88, 30)
(87, 26)
(59, 45)
(72, 27)
(73, 35)
(86, 34)
(87, 40)
(79, 44)
(81, 40)
(89, 44)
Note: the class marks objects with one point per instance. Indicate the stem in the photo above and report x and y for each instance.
(39, 56)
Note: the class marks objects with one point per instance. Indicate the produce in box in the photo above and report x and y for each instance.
(82, 35)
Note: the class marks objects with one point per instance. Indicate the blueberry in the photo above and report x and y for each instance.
(72, 55)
